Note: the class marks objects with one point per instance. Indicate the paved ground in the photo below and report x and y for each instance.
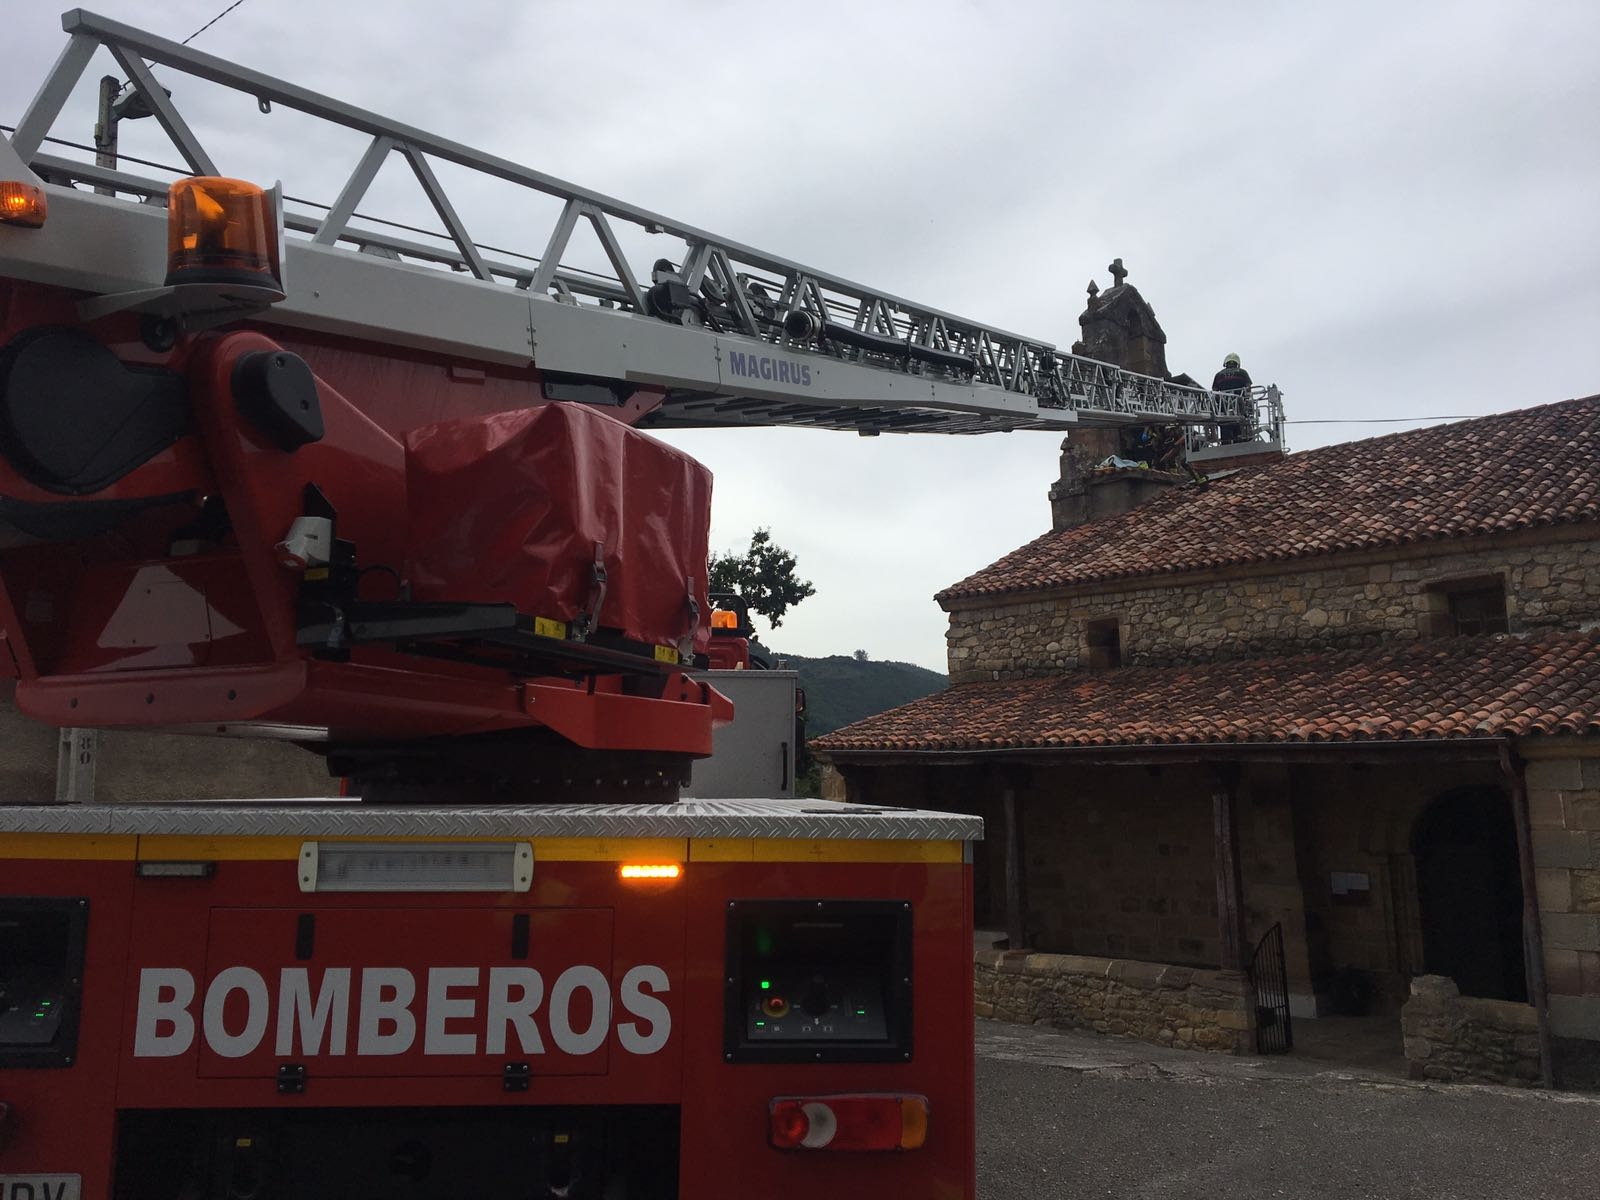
(1066, 1115)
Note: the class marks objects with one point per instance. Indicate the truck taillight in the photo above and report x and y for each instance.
(22, 204)
(223, 231)
(848, 1122)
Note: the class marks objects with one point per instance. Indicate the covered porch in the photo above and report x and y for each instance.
(1312, 883)
(1354, 842)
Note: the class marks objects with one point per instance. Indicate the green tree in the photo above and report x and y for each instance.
(763, 575)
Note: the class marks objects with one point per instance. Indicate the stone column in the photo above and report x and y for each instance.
(1564, 820)
(1230, 891)
(1016, 865)
(1532, 935)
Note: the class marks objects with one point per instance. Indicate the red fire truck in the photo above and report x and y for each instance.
(270, 472)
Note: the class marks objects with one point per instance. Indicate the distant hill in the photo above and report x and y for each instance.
(841, 689)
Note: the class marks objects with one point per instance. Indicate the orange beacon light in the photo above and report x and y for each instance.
(223, 231)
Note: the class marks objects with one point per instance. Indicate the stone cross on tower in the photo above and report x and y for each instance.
(1120, 327)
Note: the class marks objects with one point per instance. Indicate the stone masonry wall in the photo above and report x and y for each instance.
(1120, 864)
(1462, 1039)
(1361, 599)
(1153, 1002)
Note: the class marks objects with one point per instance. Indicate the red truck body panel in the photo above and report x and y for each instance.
(588, 929)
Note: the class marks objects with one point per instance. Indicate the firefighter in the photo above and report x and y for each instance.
(1232, 378)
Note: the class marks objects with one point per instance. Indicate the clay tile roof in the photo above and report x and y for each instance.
(1425, 690)
(1537, 466)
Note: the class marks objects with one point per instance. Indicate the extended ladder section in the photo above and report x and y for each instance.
(736, 336)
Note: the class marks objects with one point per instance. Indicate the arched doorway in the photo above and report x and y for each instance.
(1469, 892)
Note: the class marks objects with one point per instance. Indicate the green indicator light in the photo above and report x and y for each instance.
(46, 1003)
(766, 985)
(861, 1012)
(761, 1024)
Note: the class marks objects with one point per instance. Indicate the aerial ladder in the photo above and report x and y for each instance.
(714, 333)
(406, 332)
(273, 469)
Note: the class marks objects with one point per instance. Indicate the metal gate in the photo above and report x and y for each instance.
(1269, 976)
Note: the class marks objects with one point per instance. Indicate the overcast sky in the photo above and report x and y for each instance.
(1387, 209)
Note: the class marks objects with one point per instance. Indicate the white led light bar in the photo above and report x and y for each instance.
(416, 866)
(175, 870)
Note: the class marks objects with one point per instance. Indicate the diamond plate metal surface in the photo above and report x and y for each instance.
(821, 820)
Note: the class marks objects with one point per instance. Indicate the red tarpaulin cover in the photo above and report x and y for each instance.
(508, 508)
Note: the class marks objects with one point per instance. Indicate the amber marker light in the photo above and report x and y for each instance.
(221, 231)
(721, 618)
(644, 871)
(22, 204)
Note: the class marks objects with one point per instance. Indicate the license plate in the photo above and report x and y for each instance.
(40, 1187)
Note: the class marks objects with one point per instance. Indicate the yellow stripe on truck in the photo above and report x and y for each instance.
(610, 849)
(188, 848)
(821, 850)
(77, 846)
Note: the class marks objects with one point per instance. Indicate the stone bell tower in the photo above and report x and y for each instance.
(1119, 327)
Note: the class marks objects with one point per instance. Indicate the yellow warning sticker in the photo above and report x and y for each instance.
(545, 627)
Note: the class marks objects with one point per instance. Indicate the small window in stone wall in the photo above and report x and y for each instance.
(1466, 607)
(1103, 639)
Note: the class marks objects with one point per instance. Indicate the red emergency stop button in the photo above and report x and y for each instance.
(775, 1006)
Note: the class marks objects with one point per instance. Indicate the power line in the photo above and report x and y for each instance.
(353, 234)
(1382, 420)
(196, 34)
(211, 22)
(143, 162)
